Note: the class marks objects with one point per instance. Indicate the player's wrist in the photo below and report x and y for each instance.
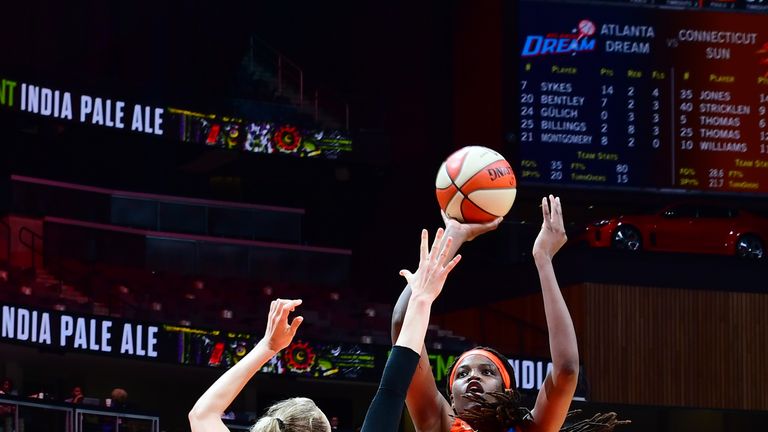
(421, 300)
(460, 236)
(458, 232)
(542, 258)
(268, 345)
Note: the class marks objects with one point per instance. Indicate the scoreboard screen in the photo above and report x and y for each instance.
(641, 97)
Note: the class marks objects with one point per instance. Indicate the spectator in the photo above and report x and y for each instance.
(76, 397)
(125, 303)
(6, 387)
(119, 398)
(336, 425)
(198, 294)
(7, 411)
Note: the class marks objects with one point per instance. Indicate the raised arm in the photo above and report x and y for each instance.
(555, 396)
(386, 408)
(205, 416)
(426, 405)
(459, 233)
(426, 284)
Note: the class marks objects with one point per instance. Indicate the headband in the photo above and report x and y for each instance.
(490, 356)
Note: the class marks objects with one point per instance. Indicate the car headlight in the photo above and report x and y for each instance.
(601, 222)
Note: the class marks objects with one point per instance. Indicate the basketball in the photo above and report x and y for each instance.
(475, 185)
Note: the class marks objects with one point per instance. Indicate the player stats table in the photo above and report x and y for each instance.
(636, 97)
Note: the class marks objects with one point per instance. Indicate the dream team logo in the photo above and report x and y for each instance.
(580, 39)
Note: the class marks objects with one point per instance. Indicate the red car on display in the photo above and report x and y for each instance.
(684, 227)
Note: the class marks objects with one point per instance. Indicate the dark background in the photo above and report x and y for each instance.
(422, 79)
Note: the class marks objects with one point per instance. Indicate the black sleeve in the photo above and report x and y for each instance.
(387, 406)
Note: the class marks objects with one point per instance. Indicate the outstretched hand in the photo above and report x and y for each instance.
(434, 267)
(279, 333)
(468, 231)
(552, 235)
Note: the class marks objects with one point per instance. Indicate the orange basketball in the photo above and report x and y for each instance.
(476, 184)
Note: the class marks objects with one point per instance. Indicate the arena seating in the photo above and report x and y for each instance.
(179, 260)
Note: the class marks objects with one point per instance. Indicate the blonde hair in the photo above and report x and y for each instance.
(292, 415)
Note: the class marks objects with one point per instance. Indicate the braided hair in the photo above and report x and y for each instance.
(501, 410)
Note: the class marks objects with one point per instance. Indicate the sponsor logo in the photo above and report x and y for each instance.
(580, 39)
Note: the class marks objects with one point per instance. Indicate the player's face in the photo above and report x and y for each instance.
(476, 374)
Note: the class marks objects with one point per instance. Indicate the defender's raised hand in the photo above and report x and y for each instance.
(279, 333)
(205, 416)
(434, 267)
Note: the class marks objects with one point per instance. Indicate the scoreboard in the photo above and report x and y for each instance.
(641, 97)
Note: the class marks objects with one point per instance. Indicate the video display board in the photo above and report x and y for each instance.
(68, 332)
(260, 136)
(222, 349)
(628, 97)
(65, 106)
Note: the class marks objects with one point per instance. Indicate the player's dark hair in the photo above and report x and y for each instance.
(502, 410)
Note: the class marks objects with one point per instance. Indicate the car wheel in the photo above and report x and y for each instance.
(750, 247)
(627, 238)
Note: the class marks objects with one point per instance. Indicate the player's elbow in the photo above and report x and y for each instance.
(196, 415)
(193, 415)
(568, 371)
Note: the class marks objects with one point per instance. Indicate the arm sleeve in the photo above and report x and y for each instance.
(387, 406)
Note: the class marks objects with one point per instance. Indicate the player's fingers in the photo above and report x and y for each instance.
(444, 254)
(292, 304)
(436, 244)
(295, 324)
(283, 311)
(424, 247)
(545, 210)
(557, 214)
(451, 264)
(552, 207)
(407, 275)
(271, 317)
